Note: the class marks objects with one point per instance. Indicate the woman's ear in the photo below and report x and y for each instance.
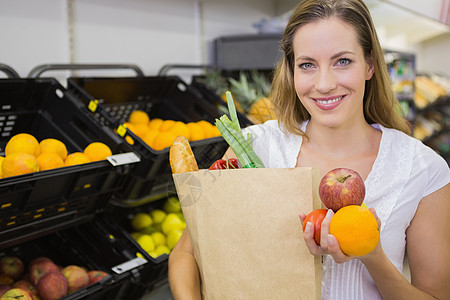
(370, 67)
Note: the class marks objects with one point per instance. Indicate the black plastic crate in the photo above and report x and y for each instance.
(98, 245)
(42, 202)
(166, 97)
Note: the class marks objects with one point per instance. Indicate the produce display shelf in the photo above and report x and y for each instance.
(164, 97)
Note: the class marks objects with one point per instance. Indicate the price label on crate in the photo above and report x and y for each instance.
(93, 105)
(128, 265)
(123, 158)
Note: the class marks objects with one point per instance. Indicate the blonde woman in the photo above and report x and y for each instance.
(335, 108)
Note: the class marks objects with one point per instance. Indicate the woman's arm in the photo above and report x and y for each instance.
(184, 278)
(428, 248)
(428, 244)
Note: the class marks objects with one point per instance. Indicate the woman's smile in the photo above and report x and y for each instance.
(327, 103)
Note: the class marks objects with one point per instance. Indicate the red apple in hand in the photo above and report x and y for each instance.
(52, 286)
(341, 187)
(11, 266)
(315, 217)
(77, 278)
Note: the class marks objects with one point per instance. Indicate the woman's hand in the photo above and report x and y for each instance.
(328, 243)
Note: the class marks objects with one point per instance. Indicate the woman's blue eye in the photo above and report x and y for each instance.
(306, 66)
(344, 61)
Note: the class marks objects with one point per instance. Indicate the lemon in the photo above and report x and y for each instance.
(141, 221)
(158, 215)
(148, 230)
(172, 205)
(158, 238)
(173, 237)
(162, 249)
(181, 216)
(172, 222)
(135, 235)
(146, 242)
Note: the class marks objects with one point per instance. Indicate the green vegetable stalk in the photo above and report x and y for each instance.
(232, 133)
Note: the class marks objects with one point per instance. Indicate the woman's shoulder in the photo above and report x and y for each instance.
(424, 161)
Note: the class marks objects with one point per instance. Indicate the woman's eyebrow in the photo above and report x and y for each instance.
(308, 58)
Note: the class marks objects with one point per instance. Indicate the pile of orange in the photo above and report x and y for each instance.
(24, 154)
(159, 134)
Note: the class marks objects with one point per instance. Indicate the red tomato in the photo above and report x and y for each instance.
(232, 163)
(315, 217)
(220, 164)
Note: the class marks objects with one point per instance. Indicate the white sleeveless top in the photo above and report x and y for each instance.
(404, 172)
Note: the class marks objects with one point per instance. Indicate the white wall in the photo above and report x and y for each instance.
(31, 33)
(149, 33)
(153, 33)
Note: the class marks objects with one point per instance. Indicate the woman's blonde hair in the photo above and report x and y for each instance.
(380, 105)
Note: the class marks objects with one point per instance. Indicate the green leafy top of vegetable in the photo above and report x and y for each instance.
(232, 133)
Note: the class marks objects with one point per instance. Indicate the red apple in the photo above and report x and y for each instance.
(341, 187)
(11, 266)
(26, 285)
(52, 286)
(96, 276)
(14, 294)
(40, 268)
(39, 259)
(6, 280)
(4, 289)
(77, 278)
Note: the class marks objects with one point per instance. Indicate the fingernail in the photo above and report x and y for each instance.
(330, 240)
(329, 213)
(308, 227)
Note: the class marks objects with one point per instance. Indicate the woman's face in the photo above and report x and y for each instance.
(330, 72)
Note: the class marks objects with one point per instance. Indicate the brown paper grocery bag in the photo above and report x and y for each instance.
(247, 234)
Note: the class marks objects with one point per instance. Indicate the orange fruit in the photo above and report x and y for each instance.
(54, 146)
(1, 163)
(166, 125)
(76, 158)
(155, 123)
(163, 140)
(140, 129)
(97, 151)
(356, 230)
(19, 164)
(179, 128)
(208, 128)
(23, 143)
(49, 160)
(196, 131)
(149, 137)
(216, 132)
(139, 117)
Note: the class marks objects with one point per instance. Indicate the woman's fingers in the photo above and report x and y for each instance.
(325, 229)
(335, 250)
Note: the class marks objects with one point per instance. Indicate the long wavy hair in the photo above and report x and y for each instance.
(380, 104)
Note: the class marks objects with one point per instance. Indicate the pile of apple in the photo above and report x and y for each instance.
(338, 188)
(43, 279)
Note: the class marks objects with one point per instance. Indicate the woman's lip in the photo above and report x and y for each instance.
(327, 103)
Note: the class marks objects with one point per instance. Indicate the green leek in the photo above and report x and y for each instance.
(232, 133)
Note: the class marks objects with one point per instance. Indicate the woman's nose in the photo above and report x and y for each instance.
(325, 81)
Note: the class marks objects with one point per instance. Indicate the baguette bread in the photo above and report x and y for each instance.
(181, 157)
